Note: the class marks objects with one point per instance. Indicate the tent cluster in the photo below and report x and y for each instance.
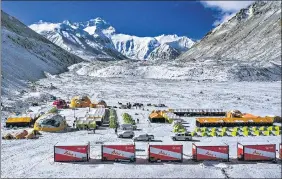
(237, 131)
(84, 101)
(93, 119)
(22, 135)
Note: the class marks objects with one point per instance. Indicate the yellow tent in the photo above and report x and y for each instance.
(50, 123)
(157, 116)
(80, 102)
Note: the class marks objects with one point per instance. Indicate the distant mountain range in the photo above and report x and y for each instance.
(97, 39)
(246, 48)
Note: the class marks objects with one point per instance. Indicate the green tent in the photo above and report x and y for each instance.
(262, 128)
(204, 134)
(222, 133)
(257, 133)
(213, 134)
(277, 128)
(213, 129)
(246, 133)
(266, 133)
(193, 133)
(234, 133)
(203, 129)
(277, 133)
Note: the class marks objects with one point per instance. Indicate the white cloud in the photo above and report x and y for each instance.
(44, 26)
(228, 8)
(224, 18)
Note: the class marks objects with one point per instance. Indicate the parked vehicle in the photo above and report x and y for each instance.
(128, 127)
(144, 137)
(126, 134)
(182, 136)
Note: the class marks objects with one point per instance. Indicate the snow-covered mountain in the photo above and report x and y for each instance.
(26, 55)
(247, 47)
(87, 40)
(97, 39)
(152, 48)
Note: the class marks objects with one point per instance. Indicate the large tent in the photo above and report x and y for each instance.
(50, 123)
(80, 102)
(157, 117)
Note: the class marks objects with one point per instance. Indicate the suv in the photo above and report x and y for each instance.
(182, 136)
(126, 134)
(144, 137)
(128, 127)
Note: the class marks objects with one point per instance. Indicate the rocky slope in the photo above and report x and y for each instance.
(247, 47)
(27, 55)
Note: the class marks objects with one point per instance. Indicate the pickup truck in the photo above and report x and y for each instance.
(144, 137)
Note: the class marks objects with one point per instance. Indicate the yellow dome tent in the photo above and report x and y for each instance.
(50, 123)
(80, 102)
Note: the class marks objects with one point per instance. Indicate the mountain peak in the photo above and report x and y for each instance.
(97, 22)
(98, 19)
(67, 22)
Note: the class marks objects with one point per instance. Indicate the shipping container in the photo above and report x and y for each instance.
(203, 152)
(280, 151)
(72, 152)
(165, 153)
(118, 152)
(257, 152)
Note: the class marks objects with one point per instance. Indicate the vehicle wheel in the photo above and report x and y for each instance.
(174, 138)
(149, 139)
(131, 136)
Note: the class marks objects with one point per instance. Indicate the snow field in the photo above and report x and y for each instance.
(34, 158)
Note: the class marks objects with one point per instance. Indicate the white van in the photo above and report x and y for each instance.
(128, 127)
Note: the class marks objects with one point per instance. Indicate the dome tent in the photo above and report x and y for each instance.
(102, 103)
(80, 102)
(50, 123)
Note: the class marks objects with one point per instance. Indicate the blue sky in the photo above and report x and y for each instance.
(191, 18)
